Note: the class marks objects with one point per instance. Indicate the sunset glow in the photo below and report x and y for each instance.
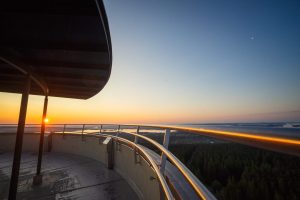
(208, 66)
(206, 93)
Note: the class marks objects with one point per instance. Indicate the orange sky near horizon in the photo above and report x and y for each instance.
(63, 110)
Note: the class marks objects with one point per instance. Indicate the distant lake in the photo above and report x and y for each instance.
(286, 130)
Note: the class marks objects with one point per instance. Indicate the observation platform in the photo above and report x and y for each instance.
(112, 162)
(65, 176)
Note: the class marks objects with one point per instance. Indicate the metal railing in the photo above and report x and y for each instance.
(278, 144)
(286, 145)
(198, 187)
(291, 146)
(160, 175)
(201, 191)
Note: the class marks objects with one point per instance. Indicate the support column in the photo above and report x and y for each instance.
(13, 188)
(37, 180)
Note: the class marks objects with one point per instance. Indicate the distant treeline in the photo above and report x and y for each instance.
(237, 172)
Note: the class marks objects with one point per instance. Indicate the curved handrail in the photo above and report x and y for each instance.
(285, 145)
(161, 178)
(188, 129)
(199, 188)
(291, 146)
(201, 191)
(269, 142)
(228, 133)
(279, 144)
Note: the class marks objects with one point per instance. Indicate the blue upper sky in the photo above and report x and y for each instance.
(218, 58)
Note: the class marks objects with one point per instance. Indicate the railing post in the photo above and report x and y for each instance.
(82, 132)
(64, 130)
(50, 142)
(110, 152)
(163, 156)
(100, 130)
(13, 188)
(118, 131)
(136, 140)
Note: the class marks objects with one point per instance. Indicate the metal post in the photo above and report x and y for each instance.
(82, 132)
(136, 139)
(38, 178)
(50, 142)
(118, 132)
(64, 130)
(19, 140)
(163, 156)
(100, 131)
(110, 152)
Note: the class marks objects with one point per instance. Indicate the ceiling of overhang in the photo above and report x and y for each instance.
(64, 43)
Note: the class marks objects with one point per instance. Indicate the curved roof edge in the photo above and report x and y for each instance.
(66, 44)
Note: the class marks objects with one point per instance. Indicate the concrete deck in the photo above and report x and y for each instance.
(65, 176)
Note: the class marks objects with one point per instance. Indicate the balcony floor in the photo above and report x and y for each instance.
(65, 176)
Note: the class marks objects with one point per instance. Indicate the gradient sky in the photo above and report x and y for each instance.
(190, 61)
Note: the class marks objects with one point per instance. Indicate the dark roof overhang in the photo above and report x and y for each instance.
(64, 45)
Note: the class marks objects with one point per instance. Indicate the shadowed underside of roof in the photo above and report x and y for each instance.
(63, 43)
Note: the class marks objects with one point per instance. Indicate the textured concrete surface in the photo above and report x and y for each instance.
(65, 176)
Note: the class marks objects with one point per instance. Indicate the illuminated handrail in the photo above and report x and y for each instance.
(201, 191)
(198, 187)
(285, 145)
(152, 163)
(291, 146)
(239, 137)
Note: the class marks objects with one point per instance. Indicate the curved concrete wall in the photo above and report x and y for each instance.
(89, 146)
(30, 142)
(139, 175)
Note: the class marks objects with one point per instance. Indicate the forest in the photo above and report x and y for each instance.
(234, 172)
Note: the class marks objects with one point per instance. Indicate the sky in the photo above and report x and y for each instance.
(190, 62)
